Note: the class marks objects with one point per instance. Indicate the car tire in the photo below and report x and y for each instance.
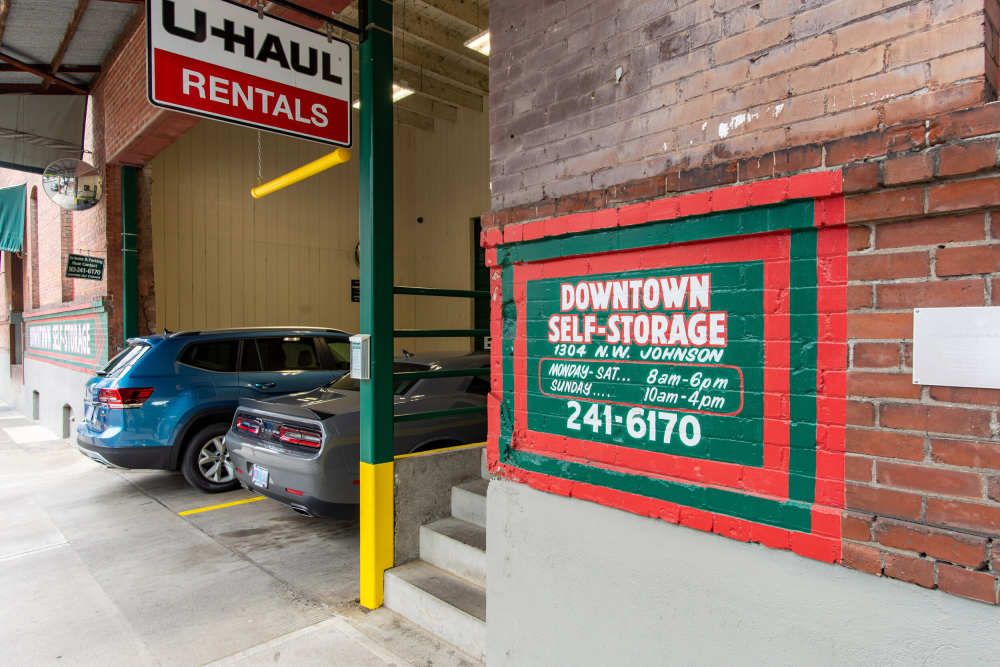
(206, 465)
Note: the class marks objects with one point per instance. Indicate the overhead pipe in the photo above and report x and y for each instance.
(339, 156)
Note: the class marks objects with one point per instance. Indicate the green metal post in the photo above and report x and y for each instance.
(130, 259)
(376, 255)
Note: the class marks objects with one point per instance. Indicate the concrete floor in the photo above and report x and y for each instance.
(97, 567)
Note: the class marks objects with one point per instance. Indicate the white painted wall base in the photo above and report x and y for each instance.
(56, 387)
(574, 583)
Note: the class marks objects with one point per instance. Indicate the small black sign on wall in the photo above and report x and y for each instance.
(355, 290)
(85, 267)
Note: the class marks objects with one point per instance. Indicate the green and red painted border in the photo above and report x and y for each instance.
(795, 500)
(94, 313)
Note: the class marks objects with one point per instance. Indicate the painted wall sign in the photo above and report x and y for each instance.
(74, 338)
(219, 59)
(84, 267)
(682, 358)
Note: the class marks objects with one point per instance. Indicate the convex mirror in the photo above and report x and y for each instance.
(73, 184)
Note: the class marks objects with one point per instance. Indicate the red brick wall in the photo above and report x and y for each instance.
(918, 151)
(710, 81)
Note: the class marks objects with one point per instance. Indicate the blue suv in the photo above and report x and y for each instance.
(166, 401)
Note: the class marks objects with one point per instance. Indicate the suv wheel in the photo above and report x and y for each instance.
(206, 463)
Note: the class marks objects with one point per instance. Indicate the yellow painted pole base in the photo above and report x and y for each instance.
(338, 156)
(377, 514)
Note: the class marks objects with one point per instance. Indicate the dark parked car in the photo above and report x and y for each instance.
(303, 449)
(166, 401)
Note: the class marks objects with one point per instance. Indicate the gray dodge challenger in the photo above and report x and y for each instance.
(303, 449)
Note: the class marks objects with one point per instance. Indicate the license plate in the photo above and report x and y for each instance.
(259, 476)
(88, 412)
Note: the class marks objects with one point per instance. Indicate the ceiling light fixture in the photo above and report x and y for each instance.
(398, 93)
(480, 43)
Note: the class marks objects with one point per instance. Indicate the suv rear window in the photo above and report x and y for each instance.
(289, 353)
(124, 360)
(214, 355)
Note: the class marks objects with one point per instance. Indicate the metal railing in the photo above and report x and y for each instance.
(439, 333)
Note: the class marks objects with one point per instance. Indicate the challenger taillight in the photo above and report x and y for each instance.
(119, 399)
(299, 436)
(248, 425)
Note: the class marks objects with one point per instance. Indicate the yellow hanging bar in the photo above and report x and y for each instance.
(339, 156)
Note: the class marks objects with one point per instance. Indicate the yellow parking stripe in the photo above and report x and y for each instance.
(218, 507)
(443, 449)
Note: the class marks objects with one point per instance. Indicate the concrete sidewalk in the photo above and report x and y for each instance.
(98, 567)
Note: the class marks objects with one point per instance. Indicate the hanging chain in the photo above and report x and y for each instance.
(260, 160)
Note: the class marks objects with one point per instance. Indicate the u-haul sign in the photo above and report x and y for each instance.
(221, 60)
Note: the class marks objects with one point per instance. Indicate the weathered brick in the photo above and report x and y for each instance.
(888, 266)
(967, 583)
(862, 557)
(862, 177)
(859, 237)
(883, 502)
(906, 568)
(855, 526)
(909, 169)
(967, 260)
(935, 419)
(880, 325)
(966, 123)
(962, 292)
(702, 177)
(929, 479)
(978, 193)
(972, 516)
(860, 296)
(882, 385)
(858, 468)
(860, 413)
(885, 205)
(966, 453)
(930, 231)
(875, 355)
(944, 545)
(966, 158)
(988, 397)
(885, 444)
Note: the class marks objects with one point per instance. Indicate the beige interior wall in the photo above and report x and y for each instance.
(222, 259)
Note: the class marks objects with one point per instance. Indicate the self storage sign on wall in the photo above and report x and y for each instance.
(681, 358)
(222, 60)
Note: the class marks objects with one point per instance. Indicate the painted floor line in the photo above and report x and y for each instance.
(218, 507)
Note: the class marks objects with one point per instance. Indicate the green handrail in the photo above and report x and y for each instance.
(434, 291)
(451, 412)
(440, 333)
(460, 372)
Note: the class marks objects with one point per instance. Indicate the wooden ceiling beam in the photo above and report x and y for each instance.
(29, 89)
(470, 12)
(65, 69)
(33, 69)
(67, 39)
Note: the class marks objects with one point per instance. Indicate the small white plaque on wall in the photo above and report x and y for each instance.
(957, 347)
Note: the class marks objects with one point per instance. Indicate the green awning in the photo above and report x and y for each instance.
(12, 218)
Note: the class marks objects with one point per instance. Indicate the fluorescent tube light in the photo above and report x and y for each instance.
(480, 42)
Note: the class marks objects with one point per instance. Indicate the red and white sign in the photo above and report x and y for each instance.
(220, 60)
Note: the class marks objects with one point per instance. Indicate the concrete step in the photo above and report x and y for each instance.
(484, 470)
(468, 501)
(450, 607)
(456, 546)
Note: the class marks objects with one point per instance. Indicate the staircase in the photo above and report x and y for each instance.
(445, 590)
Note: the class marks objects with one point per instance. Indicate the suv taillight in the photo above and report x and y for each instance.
(119, 399)
(248, 425)
(298, 436)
